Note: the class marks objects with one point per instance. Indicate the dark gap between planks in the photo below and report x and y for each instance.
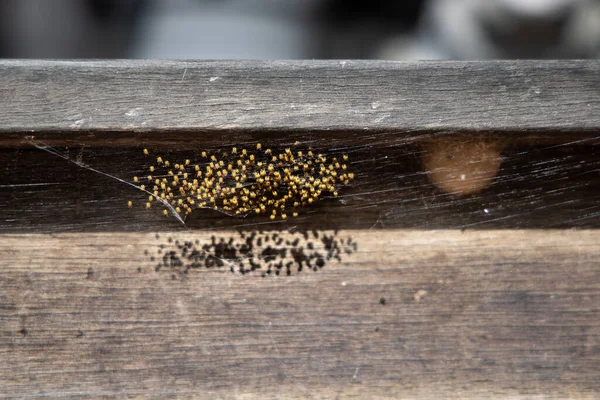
(546, 179)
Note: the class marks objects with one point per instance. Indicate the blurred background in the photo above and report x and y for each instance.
(300, 29)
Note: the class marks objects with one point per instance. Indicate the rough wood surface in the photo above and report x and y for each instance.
(541, 186)
(441, 314)
(431, 297)
(298, 95)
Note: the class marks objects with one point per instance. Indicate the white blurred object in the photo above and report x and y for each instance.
(495, 29)
(536, 8)
(250, 29)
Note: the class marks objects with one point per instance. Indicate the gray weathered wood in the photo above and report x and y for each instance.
(471, 312)
(298, 95)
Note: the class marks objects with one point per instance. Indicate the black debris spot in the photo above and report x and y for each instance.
(248, 251)
(90, 273)
(382, 301)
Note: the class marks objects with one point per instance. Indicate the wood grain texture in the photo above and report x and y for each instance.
(134, 96)
(437, 293)
(474, 315)
(540, 186)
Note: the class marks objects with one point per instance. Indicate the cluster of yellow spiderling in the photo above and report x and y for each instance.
(245, 181)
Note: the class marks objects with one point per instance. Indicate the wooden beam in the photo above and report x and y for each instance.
(407, 314)
(425, 277)
(136, 96)
(396, 186)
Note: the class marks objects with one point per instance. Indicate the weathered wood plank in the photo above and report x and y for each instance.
(404, 313)
(76, 96)
(467, 315)
(541, 186)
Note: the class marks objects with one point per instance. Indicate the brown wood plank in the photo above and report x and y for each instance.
(92, 306)
(137, 96)
(436, 314)
(536, 186)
